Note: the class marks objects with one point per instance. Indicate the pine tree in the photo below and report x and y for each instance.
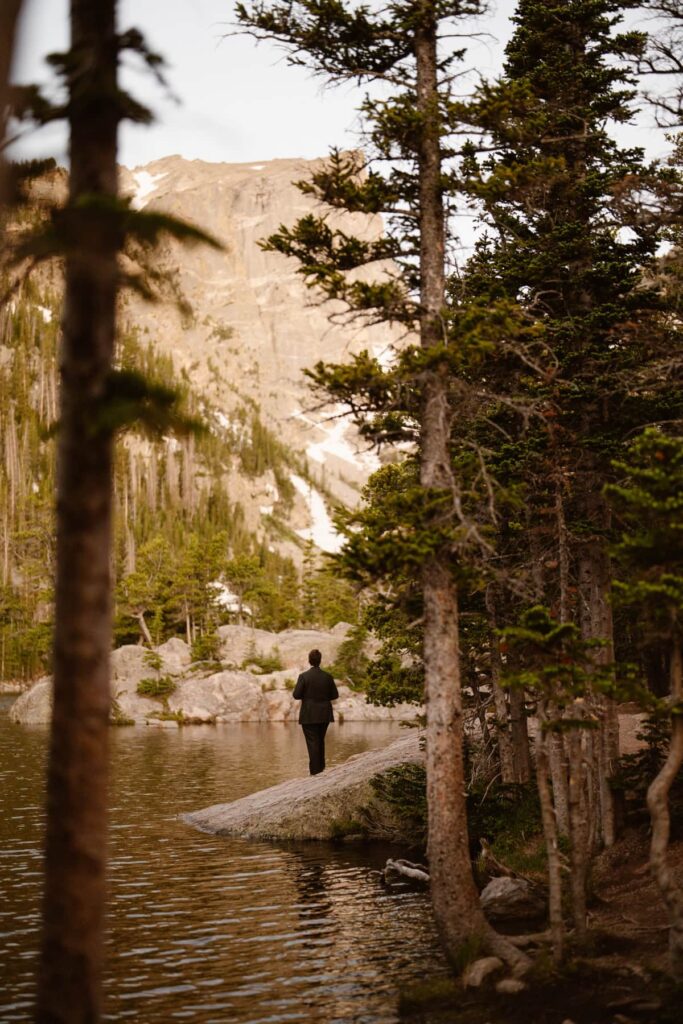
(73, 908)
(97, 401)
(557, 193)
(649, 498)
(408, 131)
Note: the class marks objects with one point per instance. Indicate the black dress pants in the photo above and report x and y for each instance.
(315, 741)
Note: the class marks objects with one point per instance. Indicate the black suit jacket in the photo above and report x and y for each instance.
(315, 689)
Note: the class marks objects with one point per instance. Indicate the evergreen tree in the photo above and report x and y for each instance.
(649, 498)
(97, 400)
(409, 133)
(148, 589)
(73, 909)
(557, 194)
(245, 577)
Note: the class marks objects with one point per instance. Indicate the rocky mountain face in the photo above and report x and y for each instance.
(254, 327)
(199, 520)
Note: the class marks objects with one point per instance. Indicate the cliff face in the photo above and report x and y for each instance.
(255, 326)
(259, 484)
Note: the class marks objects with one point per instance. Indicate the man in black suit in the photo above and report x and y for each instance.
(316, 690)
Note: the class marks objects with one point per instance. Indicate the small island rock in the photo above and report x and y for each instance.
(338, 801)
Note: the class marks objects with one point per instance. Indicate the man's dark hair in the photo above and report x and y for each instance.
(314, 658)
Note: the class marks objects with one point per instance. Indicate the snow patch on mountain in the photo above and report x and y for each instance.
(321, 531)
(228, 599)
(145, 184)
(336, 443)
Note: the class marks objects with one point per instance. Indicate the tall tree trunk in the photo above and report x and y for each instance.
(69, 989)
(559, 775)
(455, 899)
(658, 805)
(144, 629)
(521, 753)
(9, 19)
(505, 753)
(551, 838)
(562, 550)
(558, 755)
(579, 829)
(595, 579)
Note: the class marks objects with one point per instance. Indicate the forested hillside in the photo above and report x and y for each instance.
(185, 558)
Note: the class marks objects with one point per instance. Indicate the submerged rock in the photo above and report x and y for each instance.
(337, 803)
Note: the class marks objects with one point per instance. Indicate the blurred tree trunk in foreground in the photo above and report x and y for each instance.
(74, 898)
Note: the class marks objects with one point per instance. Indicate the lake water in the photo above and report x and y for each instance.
(207, 929)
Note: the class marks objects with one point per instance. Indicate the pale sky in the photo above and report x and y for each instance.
(238, 101)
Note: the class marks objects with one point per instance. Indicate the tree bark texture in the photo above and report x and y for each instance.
(555, 919)
(595, 580)
(559, 775)
(578, 831)
(503, 737)
(519, 730)
(658, 806)
(9, 20)
(455, 899)
(69, 987)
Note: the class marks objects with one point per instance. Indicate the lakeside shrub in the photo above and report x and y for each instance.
(153, 660)
(404, 790)
(351, 663)
(156, 687)
(508, 817)
(206, 647)
(263, 664)
(116, 715)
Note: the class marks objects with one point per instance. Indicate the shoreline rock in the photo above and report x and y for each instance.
(338, 803)
(13, 687)
(201, 694)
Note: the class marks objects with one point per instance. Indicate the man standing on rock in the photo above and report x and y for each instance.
(316, 690)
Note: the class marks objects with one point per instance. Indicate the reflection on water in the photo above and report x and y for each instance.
(208, 929)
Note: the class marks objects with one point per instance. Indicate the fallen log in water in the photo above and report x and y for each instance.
(416, 872)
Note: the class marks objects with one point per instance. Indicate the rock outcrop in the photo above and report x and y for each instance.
(334, 804)
(512, 899)
(199, 694)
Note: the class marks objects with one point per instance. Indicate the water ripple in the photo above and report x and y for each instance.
(207, 930)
